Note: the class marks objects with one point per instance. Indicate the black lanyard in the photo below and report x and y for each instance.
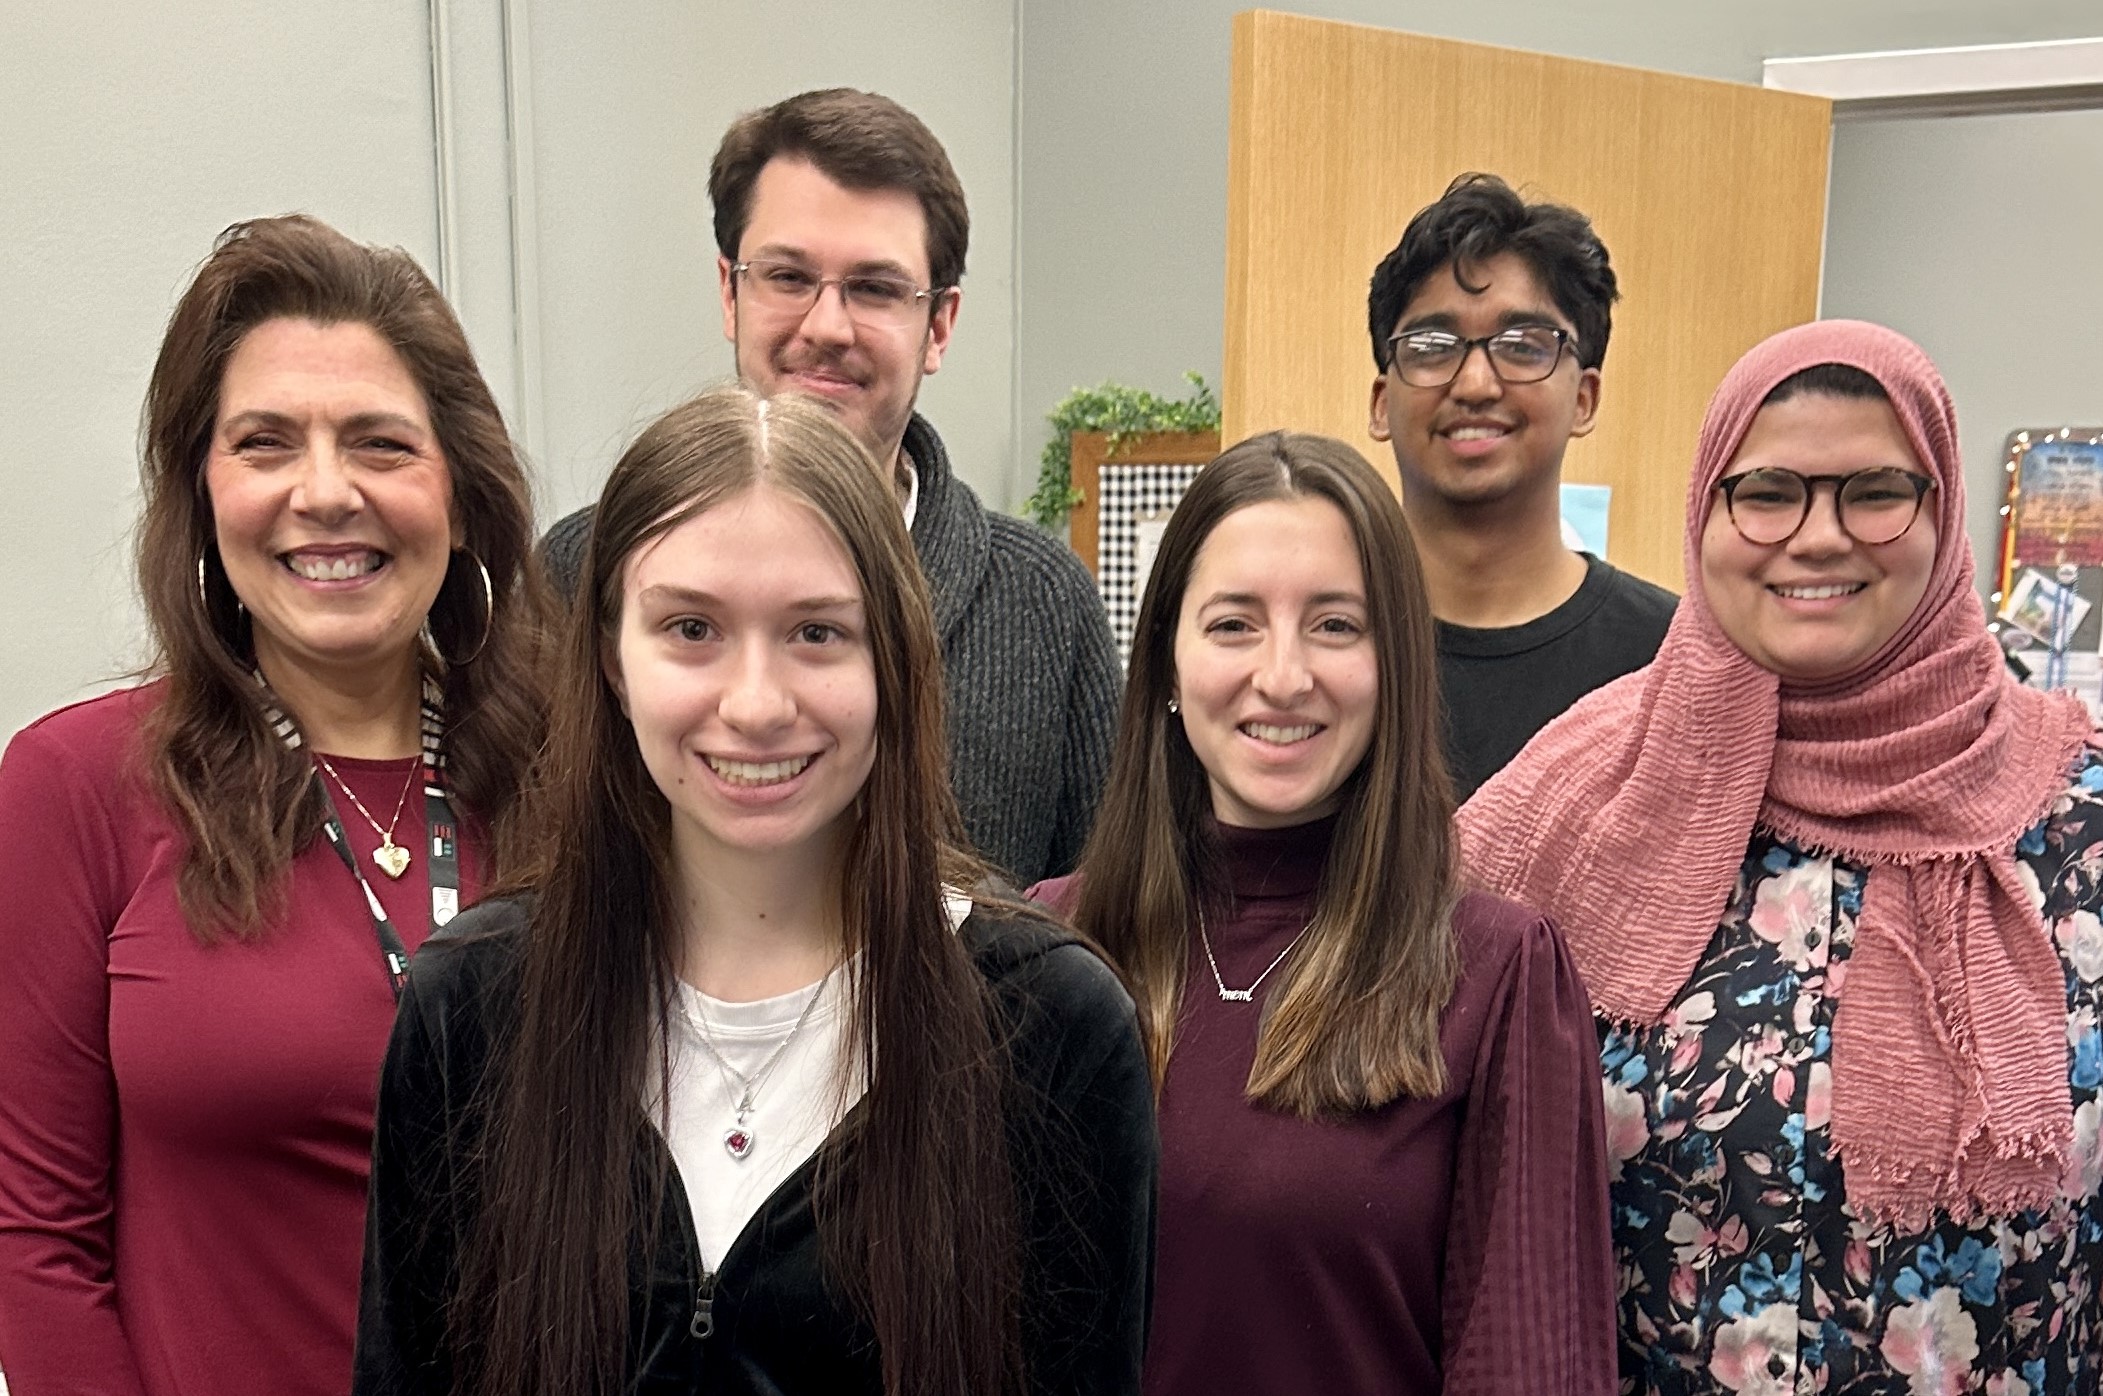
(441, 834)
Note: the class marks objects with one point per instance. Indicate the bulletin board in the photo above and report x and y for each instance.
(1126, 498)
(2048, 598)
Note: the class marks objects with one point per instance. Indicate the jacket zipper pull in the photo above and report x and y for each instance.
(704, 1323)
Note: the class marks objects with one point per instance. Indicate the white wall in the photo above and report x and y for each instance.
(1978, 237)
(134, 133)
(1124, 142)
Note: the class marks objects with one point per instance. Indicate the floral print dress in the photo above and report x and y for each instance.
(1741, 1267)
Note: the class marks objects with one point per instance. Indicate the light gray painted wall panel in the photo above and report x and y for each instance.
(134, 133)
(1982, 238)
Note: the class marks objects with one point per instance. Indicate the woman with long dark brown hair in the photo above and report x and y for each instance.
(1382, 1166)
(755, 1092)
(210, 883)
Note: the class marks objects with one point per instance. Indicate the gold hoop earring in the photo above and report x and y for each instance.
(489, 617)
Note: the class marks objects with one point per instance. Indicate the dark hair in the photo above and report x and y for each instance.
(1828, 380)
(1355, 1021)
(915, 1203)
(246, 802)
(1480, 217)
(861, 141)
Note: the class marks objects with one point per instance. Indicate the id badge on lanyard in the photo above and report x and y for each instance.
(441, 843)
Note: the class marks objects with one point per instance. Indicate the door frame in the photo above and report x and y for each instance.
(1973, 80)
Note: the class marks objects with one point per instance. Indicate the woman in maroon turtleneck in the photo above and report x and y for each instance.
(1382, 1158)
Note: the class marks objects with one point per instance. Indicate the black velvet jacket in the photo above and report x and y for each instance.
(1083, 1127)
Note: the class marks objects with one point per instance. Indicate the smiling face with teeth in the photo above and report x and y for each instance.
(1276, 674)
(743, 663)
(1820, 605)
(1479, 440)
(331, 501)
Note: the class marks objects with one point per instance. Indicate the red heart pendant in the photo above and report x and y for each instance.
(738, 1141)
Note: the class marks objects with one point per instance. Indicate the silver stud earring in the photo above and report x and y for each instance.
(1172, 707)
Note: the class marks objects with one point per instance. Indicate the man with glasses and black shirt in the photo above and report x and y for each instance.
(841, 231)
(1489, 323)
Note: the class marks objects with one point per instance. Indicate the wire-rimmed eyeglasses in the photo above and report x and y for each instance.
(1767, 506)
(1433, 358)
(871, 298)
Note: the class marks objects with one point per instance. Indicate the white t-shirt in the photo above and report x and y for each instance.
(799, 1103)
(793, 1108)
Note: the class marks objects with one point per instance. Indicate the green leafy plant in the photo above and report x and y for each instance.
(1120, 411)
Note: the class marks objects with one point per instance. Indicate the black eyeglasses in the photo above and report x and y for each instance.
(1767, 506)
(871, 298)
(1433, 358)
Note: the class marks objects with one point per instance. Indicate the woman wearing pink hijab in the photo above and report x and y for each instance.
(1833, 882)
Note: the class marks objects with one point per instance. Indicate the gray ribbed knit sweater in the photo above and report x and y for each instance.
(1031, 669)
(1033, 681)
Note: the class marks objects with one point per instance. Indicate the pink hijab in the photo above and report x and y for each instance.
(1627, 820)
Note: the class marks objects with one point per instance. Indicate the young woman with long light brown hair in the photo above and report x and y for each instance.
(758, 1091)
(1382, 1163)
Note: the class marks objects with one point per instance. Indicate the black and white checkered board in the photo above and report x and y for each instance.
(1129, 493)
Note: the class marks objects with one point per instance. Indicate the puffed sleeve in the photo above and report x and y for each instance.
(59, 1327)
(1087, 1159)
(1529, 1289)
(410, 1222)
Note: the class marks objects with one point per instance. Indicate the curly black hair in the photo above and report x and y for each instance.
(1480, 217)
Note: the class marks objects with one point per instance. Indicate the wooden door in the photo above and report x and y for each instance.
(1710, 197)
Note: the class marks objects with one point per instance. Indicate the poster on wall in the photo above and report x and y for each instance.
(2059, 489)
(2046, 603)
(1585, 510)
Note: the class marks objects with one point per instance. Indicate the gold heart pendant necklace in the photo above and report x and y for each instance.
(391, 857)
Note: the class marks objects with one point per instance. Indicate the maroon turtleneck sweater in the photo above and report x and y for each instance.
(1435, 1247)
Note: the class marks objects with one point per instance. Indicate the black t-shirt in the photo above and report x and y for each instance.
(1501, 686)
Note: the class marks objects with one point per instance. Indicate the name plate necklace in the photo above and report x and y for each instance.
(1247, 995)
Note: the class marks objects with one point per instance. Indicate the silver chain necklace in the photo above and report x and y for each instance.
(740, 1137)
(1247, 995)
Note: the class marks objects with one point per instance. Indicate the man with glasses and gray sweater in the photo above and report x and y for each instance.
(841, 231)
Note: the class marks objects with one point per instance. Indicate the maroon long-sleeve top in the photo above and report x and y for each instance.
(1454, 1245)
(184, 1128)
